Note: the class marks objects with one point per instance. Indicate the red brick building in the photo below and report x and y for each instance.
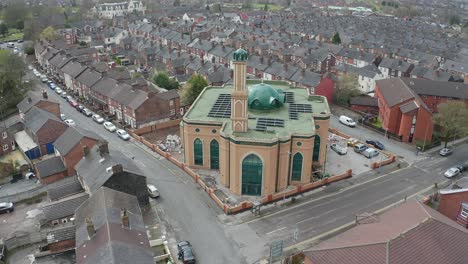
(7, 141)
(452, 204)
(406, 105)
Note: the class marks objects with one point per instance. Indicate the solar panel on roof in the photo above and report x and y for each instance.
(222, 107)
(264, 123)
(289, 97)
(295, 109)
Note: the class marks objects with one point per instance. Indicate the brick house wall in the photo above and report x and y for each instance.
(424, 125)
(365, 109)
(76, 154)
(433, 101)
(449, 204)
(154, 108)
(52, 178)
(61, 246)
(8, 141)
(325, 88)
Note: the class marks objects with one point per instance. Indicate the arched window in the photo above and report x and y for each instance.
(316, 148)
(214, 155)
(296, 173)
(252, 169)
(198, 152)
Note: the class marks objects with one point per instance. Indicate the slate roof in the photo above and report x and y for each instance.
(61, 234)
(111, 243)
(166, 96)
(92, 169)
(35, 118)
(455, 66)
(49, 167)
(443, 89)
(71, 137)
(63, 207)
(65, 189)
(364, 101)
(73, 68)
(394, 90)
(25, 105)
(89, 77)
(59, 60)
(408, 107)
(306, 77)
(393, 64)
(409, 233)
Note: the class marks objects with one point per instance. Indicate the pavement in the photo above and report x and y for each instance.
(188, 212)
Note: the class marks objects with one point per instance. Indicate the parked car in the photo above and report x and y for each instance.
(352, 142)
(358, 148)
(375, 143)
(109, 126)
(64, 94)
(20, 41)
(123, 134)
(370, 153)
(462, 167)
(29, 175)
(185, 253)
(452, 172)
(6, 208)
(80, 108)
(73, 103)
(87, 112)
(162, 147)
(10, 45)
(68, 98)
(44, 79)
(53, 86)
(446, 152)
(152, 191)
(347, 121)
(339, 149)
(63, 117)
(98, 119)
(70, 122)
(58, 90)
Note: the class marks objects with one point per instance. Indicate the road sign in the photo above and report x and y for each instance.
(276, 249)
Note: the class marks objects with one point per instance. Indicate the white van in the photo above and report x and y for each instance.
(347, 121)
(152, 191)
(370, 153)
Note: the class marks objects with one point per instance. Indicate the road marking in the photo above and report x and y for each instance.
(313, 217)
(275, 231)
(349, 224)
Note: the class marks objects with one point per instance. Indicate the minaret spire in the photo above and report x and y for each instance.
(239, 95)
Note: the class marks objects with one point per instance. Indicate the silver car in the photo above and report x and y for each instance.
(123, 134)
(110, 127)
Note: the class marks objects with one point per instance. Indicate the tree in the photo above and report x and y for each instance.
(265, 8)
(162, 80)
(194, 87)
(454, 20)
(15, 11)
(346, 87)
(49, 33)
(3, 29)
(20, 24)
(452, 119)
(336, 38)
(383, 3)
(12, 71)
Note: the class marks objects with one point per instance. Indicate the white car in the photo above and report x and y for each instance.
(98, 119)
(30, 67)
(123, 134)
(347, 121)
(63, 117)
(109, 126)
(152, 191)
(58, 90)
(452, 172)
(70, 122)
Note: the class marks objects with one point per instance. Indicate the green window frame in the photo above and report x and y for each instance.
(296, 172)
(316, 156)
(252, 172)
(214, 154)
(198, 152)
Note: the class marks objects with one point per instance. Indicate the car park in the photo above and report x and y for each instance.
(98, 119)
(339, 149)
(70, 122)
(152, 191)
(185, 253)
(87, 112)
(347, 121)
(109, 126)
(358, 148)
(446, 152)
(452, 172)
(123, 134)
(370, 153)
(6, 208)
(376, 144)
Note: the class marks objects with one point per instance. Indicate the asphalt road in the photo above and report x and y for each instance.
(189, 213)
(328, 212)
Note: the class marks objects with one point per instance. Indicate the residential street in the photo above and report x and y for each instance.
(190, 213)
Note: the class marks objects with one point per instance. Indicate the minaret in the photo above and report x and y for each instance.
(239, 107)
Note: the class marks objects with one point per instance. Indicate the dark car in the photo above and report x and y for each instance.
(80, 108)
(376, 144)
(462, 167)
(6, 208)
(185, 252)
(446, 152)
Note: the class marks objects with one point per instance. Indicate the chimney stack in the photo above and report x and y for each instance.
(103, 148)
(117, 168)
(90, 227)
(125, 219)
(85, 150)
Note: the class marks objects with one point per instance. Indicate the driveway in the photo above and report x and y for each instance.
(23, 219)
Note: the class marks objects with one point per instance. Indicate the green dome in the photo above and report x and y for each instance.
(240, 55)
(264, 97)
